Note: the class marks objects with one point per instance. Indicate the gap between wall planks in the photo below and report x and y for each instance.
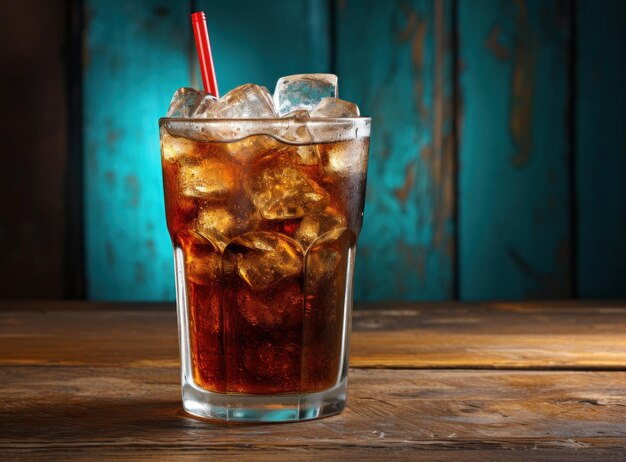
(601, 148)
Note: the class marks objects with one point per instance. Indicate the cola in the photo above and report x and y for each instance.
(264, 222)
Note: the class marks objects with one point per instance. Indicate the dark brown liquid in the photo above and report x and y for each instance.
(267, 231)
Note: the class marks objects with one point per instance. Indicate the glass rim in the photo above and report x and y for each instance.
(270, 119)
(288, 130)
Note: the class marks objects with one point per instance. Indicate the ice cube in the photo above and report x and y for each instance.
(203, 264)
(264, 259)
(174, 148)
(202, 109)
(326, 223)
(217, 225)
(269, 309)
(281, 192)
(303, 91)
(297, 114)
(210, 179)
(346, 158)
(184, 102)
(307, 154)
(322, 266)
(334, 107)
(253, 147)
(258, 146)
(245, 102)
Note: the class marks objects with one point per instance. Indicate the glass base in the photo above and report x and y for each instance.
(263, 408)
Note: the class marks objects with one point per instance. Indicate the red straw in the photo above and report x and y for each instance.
(201, 33)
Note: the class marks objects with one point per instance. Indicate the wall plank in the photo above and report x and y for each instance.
(513, 182)
(394, 60)
(34, 150)
(601, 148)
(136, 55)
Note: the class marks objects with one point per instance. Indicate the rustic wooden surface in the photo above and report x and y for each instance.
(81, 382)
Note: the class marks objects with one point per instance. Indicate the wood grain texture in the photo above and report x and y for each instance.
(565, 335)
(394, 60)
(392, 414)
(601, 148)
(34, 150)
(300, 454)
(514, 235)
(85, 383)
(135, 57)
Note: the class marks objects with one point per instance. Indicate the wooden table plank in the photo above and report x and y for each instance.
(304, 454)
(567, 335)
(80, 409)
(87, 383)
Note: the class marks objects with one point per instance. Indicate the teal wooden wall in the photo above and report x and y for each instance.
(498, 160)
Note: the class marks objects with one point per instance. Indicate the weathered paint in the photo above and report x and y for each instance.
(601, 148)
(136, 55)
(394, 60)
(513, 170)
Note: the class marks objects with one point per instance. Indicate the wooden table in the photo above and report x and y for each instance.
(437, 382)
